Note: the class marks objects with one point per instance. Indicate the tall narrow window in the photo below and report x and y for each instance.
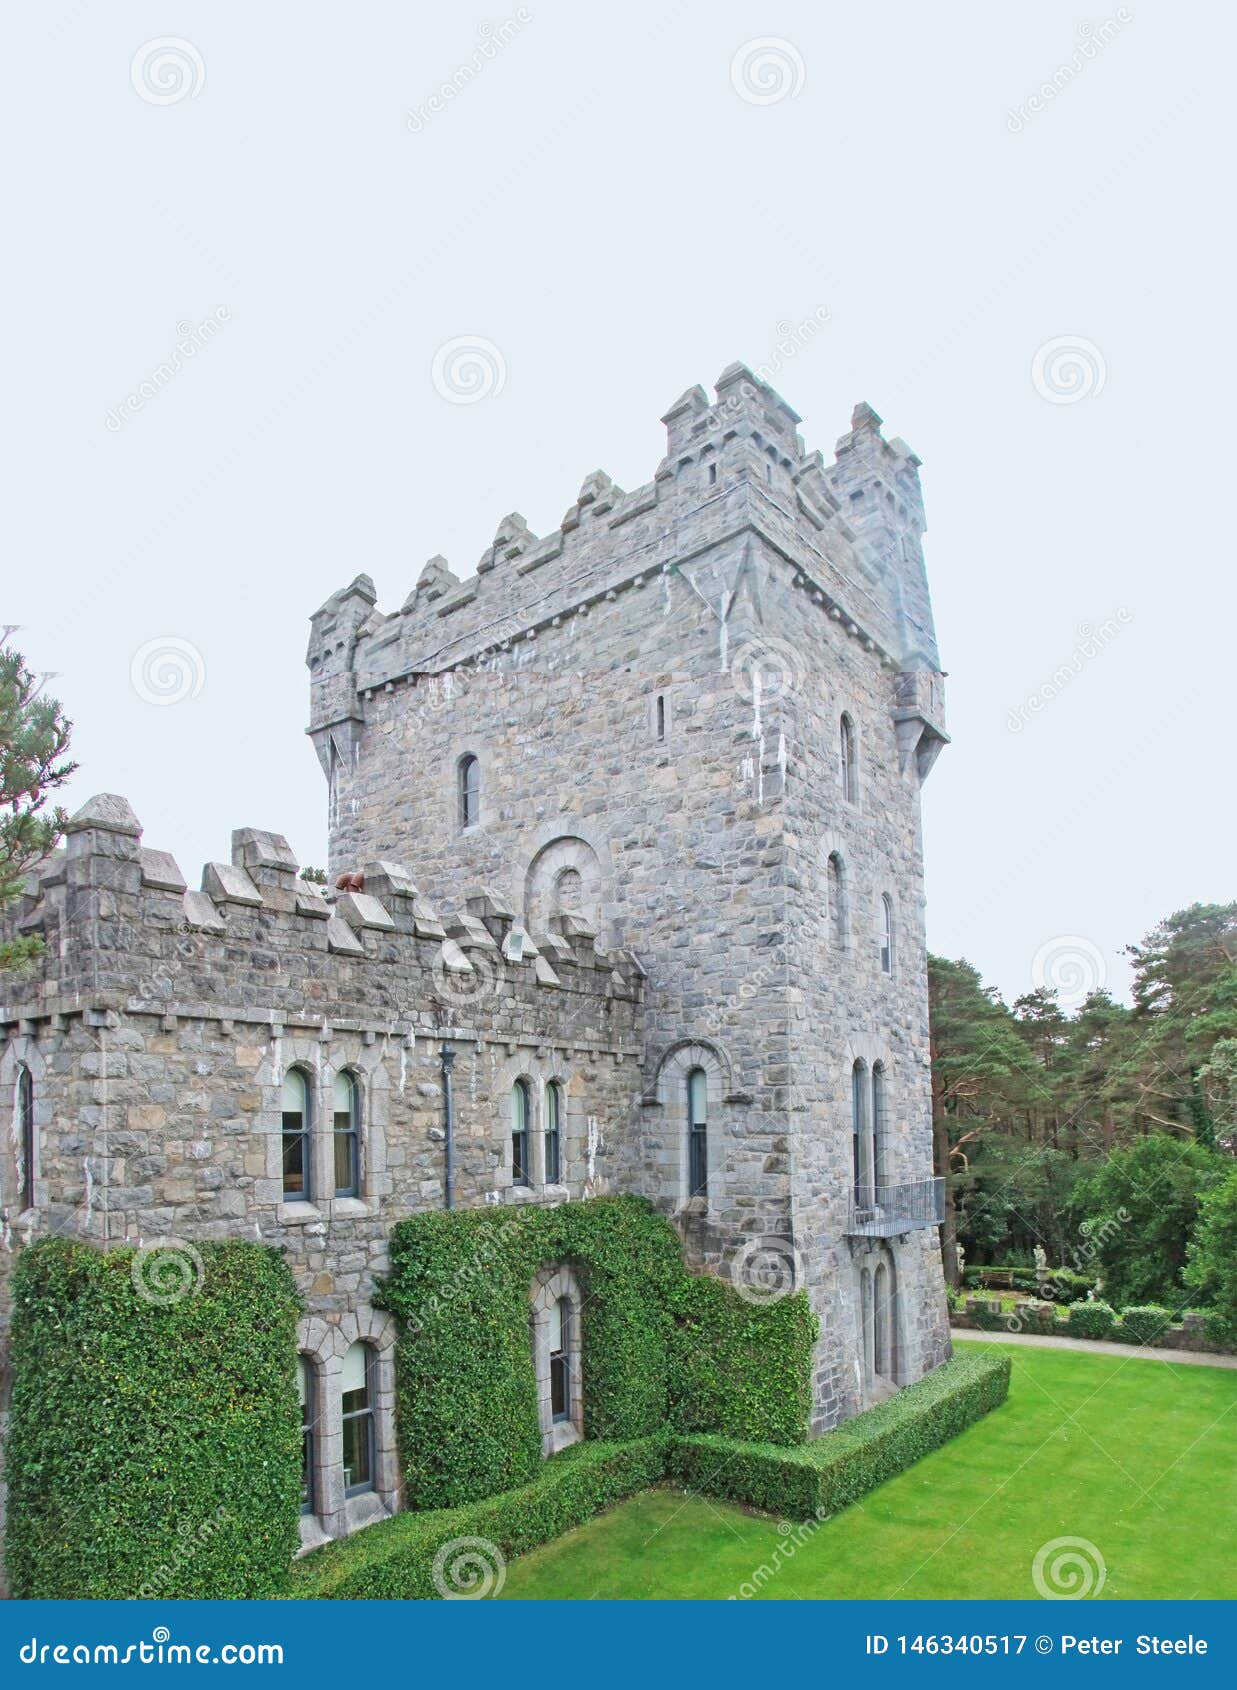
(305, 1387)
(858, 1129)
(880, 1174)
(553, 1134)
(560, 1372)
(358, 1420)
(519, 1133)
(886, 933)
(835, 891)
(850, 766)
(347, 1136)
(660, 716)
(697, 1134)
(469, 775)
(296, 1178)
(712, 475)
(25, 1135)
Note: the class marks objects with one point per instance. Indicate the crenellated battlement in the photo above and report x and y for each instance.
(122, 929)
(735, 466)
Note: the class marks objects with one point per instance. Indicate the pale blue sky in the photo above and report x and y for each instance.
(613, 202)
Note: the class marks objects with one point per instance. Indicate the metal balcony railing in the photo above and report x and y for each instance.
(883, 1211)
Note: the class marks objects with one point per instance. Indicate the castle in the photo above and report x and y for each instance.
(625, 895)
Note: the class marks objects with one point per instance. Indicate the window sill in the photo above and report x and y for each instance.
(351, 1208)
(364, 1510)
(312, 1534)
(298, 1214)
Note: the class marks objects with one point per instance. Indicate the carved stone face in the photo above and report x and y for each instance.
(569, 892)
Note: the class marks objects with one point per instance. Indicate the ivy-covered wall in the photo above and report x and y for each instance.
(154, 1445)
(660, 1348)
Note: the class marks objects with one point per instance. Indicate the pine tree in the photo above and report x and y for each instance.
(34, 736)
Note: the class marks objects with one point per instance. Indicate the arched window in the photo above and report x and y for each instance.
(357, 1406)
(849, 758)
(886, 933)
(519, 1133)
(859, 1130)
(697, 1134)
(835, 891)
(25, 1135)
(347, 1135)
(880, 1174)
(560, 1367)
(296, 1160)
(553, 1133)
(469, 783)
(306, 1385)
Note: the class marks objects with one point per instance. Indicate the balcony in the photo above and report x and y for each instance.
(884, 1211)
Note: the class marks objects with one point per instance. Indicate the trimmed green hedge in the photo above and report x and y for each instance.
(395, 1560)
(739, 1369)
(1145, 1325)
(660, 1347)
(154, 1446)
(1091, 1320)
(850, 1461)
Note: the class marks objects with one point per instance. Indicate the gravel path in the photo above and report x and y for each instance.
(1098, 1347)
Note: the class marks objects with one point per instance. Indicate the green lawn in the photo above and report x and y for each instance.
(1135, 1456)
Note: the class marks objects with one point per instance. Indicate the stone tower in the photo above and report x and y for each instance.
(693, 722)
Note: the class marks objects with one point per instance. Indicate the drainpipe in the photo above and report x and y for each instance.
(447, 1056)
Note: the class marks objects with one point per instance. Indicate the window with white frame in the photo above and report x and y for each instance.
(553, 1133)
(297, 1182)
(357, 1403)
(520, 1112)
(347, 1135)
